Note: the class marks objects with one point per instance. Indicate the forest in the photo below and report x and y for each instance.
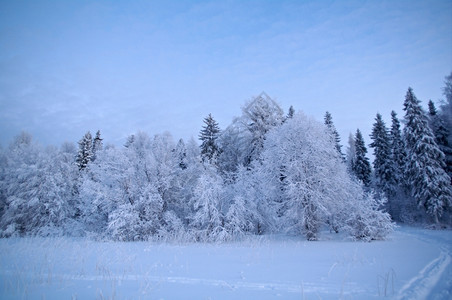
(267, 172)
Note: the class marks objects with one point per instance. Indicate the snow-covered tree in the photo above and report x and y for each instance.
(207, 221)
(316, 188)
(334, 134)
(361, 168)
(183, 186)
(208, 136)
(3, 186)
(351, 153)
(243, 140)
(181, 154)
(126, 192)
(446, 107)
(259, 116)
(38, 190)
(366, 221)
(441, 133)
(397, 149)
(428, 182)
(246, 213)
(97, 145)
(234, 146)
(85, 152)
(166, 164)
(290, 113)
(383, 161)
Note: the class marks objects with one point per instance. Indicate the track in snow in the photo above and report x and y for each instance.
(421, 286)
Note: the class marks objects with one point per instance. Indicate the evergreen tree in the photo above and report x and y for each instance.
(441, 133)
(85, 152)
(446, 117)
(130, 140)
(209, 135)
(397, 149)
(383, 166)
(361, 168)
(424, 171)
(97, 145)
(290, 113)
(329, 123)
(446, 108)
(351, 153)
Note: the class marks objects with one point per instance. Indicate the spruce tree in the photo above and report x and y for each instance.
(424, 170)
(97, 145)
(397, 149)
(361, 168)
(291, 112)
(209, 135)
(383, 166)
(85, 151)
(446, 117)
(441, 133)
(329, 123)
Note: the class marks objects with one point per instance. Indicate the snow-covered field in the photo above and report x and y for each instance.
(412, 264)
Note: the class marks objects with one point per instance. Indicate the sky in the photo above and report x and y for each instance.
(67, 67)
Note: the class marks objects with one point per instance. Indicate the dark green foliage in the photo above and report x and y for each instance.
(209, 135)
(427, 181)
(383, 162)
(329, 123)
(361, 168)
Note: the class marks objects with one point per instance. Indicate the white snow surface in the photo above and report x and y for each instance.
(412, 263)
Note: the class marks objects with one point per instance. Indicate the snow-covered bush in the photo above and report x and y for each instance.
(366, 220)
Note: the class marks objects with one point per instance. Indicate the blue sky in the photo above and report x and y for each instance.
(67, 67)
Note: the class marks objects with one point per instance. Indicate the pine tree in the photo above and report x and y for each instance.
(97, 145)
(441, 133)
(329, 123)
(209, 135)
(361, 168)
(428, 182)
(383, 166)
(85, 152)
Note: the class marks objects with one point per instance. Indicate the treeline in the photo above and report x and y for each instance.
(412, 166)
(267, 172)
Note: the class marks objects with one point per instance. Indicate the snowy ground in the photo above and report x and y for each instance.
(411, 264)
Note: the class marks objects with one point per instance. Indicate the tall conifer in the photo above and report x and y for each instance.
(209, 135)
(383, 166)
(361, 167)
(329, 123)
(424, 170)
